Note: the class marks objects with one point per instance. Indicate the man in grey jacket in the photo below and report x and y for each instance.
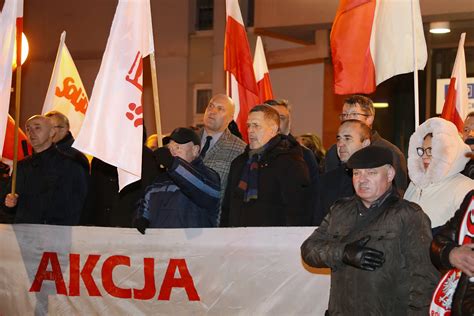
(376, 244)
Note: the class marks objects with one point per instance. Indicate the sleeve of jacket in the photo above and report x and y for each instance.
(331, 160)
(201, 185)
(225, 207)
(295, 188)
(446, 239)
(423, 277)
(321, 249)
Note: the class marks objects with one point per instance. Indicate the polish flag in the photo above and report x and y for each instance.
(66, 93)
(113, 126)
(262, 74)
(456, 102)
(372, 41)
(238, 63)
(11, 26)
(9, 141)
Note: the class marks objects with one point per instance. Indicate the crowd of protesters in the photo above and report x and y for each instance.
(376, 211)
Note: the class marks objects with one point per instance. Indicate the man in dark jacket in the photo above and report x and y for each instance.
(358, 107)
(376, 245)
(352, 136)
(187, 194)
(63, 138)
(269, 183)
(51, 187)
(447, 254)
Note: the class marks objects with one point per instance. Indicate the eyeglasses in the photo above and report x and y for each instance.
(349, 116)
(421, 151)
(59, 126)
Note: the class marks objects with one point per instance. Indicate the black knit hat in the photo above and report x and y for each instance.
(183, 135)
(370, 157)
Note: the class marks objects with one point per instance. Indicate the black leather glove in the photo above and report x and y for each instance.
(163, 157)
(141, 224)
(356, 254)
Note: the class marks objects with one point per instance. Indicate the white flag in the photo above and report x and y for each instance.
(66, 93)
(11, 12)
(113, 127)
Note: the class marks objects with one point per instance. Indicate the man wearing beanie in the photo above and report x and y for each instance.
(187, 194)
(376, 244)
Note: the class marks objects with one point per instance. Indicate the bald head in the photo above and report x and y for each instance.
(40, 132)
(219, 113)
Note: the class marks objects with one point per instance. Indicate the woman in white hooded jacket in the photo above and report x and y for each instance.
(436, 157)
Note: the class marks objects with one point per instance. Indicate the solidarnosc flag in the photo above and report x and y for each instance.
(372, 40)
(66, 93)
(113, 127)
(262, 74)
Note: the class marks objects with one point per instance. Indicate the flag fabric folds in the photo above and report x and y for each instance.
(66, 93)
(10, 17)
(238, 63)
(372, 41)
(113, 126)
(9, 141)
(262, 75)
(456, 101)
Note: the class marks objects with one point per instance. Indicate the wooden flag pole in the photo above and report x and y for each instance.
(19, 30)
(415, 67)
(156, 100)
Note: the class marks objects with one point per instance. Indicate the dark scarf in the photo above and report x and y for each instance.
(249, 180)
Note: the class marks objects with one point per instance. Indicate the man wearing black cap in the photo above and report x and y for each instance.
(376, 244)
(187, 194)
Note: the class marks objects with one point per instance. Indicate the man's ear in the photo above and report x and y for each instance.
(196, 150)
(52, 132)
(390, 173)
(365, 142)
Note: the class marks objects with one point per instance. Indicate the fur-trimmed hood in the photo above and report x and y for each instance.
(448, 152)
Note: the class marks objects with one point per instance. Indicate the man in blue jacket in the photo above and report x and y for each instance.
(187, 194)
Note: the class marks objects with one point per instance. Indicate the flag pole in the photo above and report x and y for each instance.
(19, 30)
(156, 101)
(415, 67)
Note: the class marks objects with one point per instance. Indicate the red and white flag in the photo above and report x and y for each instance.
(9, 142)
(456, 102)
(113, 127)
(66, 93)
(11, 23)
(238, 62)
(372, 40)
(262, 74)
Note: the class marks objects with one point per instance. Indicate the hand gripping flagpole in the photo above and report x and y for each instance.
(415, 67)
(19, 30)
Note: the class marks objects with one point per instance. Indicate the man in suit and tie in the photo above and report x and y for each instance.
(218, 145)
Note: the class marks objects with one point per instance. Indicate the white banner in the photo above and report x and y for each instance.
(61, 270)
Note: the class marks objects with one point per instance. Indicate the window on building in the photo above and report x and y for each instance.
(204, 15)
(202, 95)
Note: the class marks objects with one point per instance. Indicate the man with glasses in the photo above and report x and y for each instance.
(361, 108)
(63, 138)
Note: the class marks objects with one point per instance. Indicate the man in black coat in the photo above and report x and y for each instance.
(336, 184)
(358, 107)
(269, 183)
(51, 187)
(63, 138)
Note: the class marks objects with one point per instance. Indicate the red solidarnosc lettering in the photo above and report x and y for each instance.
(149, 288)
(138, 72)
(55, 274)
(107, 278)
(76, 96)
(185, 281)
(86, 274)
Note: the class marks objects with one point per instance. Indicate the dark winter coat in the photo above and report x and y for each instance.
(186, 195)
(52, 189)
(108, 207)
(443, 243)
(65, 147)
(398, 228)
(283, 189)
